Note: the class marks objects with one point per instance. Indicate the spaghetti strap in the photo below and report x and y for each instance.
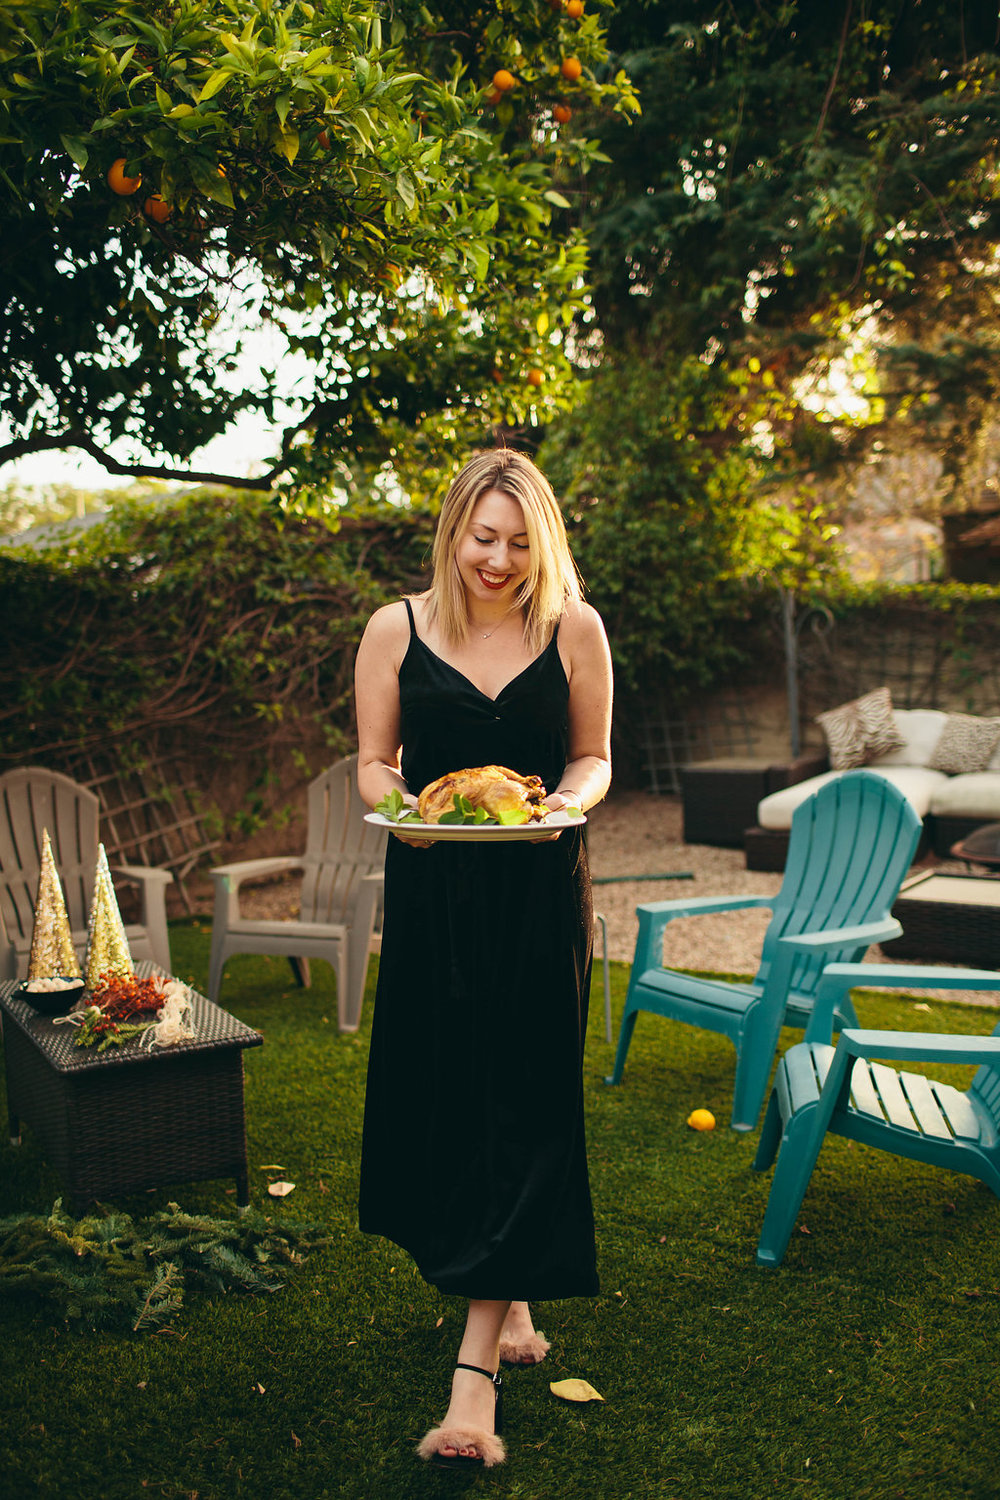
(413, 623)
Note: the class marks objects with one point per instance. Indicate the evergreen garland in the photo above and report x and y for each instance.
(106, 1270)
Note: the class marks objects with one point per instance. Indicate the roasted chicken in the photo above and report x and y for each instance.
(493, 788)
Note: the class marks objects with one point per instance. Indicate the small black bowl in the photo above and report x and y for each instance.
(50, 1002)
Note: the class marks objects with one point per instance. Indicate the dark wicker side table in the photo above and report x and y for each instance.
(955, 918)
(720, 797)
(128, 1119)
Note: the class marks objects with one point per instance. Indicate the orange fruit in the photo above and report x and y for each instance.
(503, 80)
(323, 140)
(574, 9)
(494, 96)
(562, 113)
(571, 68)
(154, 208)
(701, 1119)
(119, 183)
(535, 377)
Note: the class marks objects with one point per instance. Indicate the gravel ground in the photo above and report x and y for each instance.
(634, 834)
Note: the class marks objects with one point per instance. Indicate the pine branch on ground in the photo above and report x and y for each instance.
(107, 1270)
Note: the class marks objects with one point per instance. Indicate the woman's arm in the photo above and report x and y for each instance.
(376, 692)
(583, 646)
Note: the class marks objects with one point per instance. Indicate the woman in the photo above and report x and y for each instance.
(474, 1157)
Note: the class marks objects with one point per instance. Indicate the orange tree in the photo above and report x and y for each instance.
(177, 177)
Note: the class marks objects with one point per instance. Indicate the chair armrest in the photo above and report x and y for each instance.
(249, 869)
(913, 976)
(654, 916)
(919, 1046)
(839, 937)
(696, 906)
(228, 879)
(146, 875)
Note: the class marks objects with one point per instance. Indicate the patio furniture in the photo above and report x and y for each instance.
(953, 918)
(719, 798)
(341, 888)
(980, 847)
(820, 1090)
(851, 846)
(948, 765)
(32, 800)
(131, 1118)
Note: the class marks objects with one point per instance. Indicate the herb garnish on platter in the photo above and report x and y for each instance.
(393, 808)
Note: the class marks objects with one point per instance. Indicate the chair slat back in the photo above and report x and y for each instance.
(32, 800)
(850, 848)
(341, 848)
(986, 1086)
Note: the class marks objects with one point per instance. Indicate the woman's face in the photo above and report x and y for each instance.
(492, 556)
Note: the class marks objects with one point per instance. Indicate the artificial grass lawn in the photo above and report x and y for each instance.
(864, 1367)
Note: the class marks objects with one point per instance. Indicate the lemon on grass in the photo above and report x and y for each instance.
(701, 1119)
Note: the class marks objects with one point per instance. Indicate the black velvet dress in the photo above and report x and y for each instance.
(474, 1158)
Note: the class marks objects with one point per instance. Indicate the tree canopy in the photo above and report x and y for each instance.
(810, 183)
(373, 184)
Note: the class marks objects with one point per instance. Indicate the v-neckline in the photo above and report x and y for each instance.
(475, 686)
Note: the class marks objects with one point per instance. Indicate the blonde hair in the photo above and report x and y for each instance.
(552, 578)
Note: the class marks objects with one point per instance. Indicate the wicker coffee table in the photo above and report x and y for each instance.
(128, 1119)
(950, 917)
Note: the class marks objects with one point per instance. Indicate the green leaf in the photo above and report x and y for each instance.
(405, 189)
(214, 82)
(210, 182)
(76, 149)
(395, 809)
(551, 196)
(288, 145)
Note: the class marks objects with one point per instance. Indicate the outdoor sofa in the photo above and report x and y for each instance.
(947, 766)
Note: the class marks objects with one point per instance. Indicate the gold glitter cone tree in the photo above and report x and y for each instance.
(107, 945)
(52, 951)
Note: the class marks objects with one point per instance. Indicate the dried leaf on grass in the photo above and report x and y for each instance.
(574, 1390)
(280, 1189)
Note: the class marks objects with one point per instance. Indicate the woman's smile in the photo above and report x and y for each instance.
(493, 580)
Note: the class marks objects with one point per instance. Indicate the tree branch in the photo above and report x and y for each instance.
(57, 442)
(836, 73)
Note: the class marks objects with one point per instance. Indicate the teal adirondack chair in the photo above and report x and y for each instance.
(819, 1089)
(851, 845)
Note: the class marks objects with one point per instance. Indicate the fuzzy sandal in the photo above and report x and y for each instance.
(489, 1448)
(529, 1351)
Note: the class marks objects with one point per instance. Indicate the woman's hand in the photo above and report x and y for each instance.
(406, 838)
(560, 802)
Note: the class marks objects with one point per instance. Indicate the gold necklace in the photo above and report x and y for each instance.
(486, 634)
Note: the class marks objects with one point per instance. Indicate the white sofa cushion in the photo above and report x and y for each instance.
(921, 729)
(976, 794)
(918, 785)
